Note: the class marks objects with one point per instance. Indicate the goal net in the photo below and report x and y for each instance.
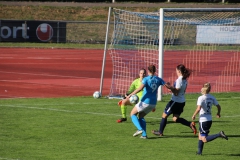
(207, 41)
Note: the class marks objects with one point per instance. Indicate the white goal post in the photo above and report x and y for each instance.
(206, 40)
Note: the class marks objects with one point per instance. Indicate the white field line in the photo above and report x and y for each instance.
(93, 113)
(8, 158)
(58, 110)
(14, 97)
(217, 98)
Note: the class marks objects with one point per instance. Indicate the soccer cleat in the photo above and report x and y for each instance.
(144, 137)
(193, 127)
(223, 135)
(120, 103)
(199, 154)
(121, 120)
(137, 133)
(157, 133)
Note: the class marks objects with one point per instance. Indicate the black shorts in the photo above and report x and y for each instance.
(174, 108)
(204, 128)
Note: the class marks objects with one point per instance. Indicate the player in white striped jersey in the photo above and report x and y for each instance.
(176, 105)
(204, 107)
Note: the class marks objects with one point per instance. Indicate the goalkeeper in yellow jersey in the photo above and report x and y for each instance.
(125, 102)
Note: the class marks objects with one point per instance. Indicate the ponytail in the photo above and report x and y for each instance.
(186, 72)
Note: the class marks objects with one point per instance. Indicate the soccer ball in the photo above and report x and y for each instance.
(134, 99)
(96, 94)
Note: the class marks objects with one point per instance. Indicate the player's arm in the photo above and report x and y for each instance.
(137, 90)
(196, 112)
(219, 110)
(132, 87)
(174, 90)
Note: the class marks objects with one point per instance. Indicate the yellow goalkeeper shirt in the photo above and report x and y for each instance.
(136, 84)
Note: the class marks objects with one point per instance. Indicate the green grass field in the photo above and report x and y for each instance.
(85, 128)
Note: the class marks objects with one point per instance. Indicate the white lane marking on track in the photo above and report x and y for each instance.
(51, 58)
(51, 75)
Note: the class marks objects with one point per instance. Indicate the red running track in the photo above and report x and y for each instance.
(43, 73)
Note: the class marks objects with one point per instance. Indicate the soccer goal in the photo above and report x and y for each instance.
(205, 40)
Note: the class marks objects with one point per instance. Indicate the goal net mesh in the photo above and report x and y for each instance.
(206, 42)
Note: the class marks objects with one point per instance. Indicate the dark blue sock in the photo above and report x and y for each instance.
(200, 146)
(162, 125)
(212, 137)
(165, 123)
(183, 121)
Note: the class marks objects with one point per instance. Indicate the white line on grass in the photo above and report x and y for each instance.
(217, 98)
(195, 99)
(93, 113)
(8, 158)
(58, 110)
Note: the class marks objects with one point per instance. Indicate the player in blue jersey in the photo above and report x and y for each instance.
(148, 101)
(176, 105)
(204, 106)
(125, 102)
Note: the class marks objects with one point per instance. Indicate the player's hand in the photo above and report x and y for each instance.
(168, 85)
(218, 115)
(125, 96)
(193, 117)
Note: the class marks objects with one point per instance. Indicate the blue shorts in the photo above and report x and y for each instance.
(174, 108)
(204, 128)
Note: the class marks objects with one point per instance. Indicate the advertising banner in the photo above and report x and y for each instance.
(32, 31)
(218, 34)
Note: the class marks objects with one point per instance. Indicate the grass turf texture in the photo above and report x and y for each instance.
(86, 128)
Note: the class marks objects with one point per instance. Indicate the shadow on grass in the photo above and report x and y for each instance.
(234, 155)
(158, 122)
(237, 155)
(172, 136)
(233, 136)
(182, 136)
(171, 122)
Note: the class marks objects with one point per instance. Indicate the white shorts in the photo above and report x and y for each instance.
(144, 107)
